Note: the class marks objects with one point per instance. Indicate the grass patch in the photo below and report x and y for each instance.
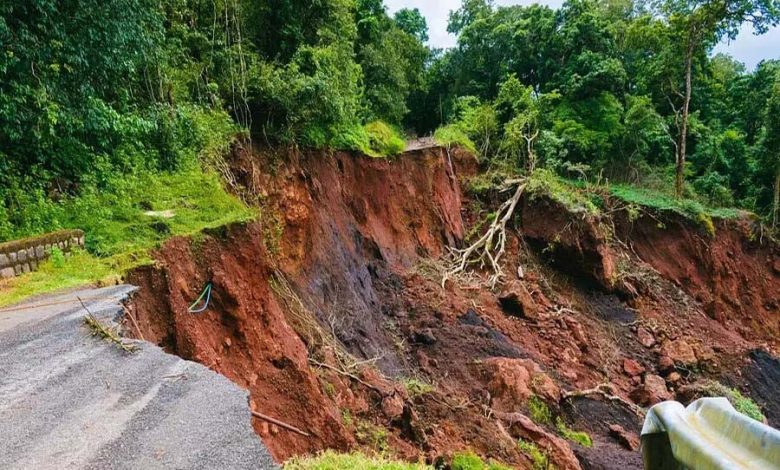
(416, 387)
(471, 461)
(372, 436)
(539, 459)
(383, 140)
(452, 135)
(330, 460)
(580, 437)
(740, 402)
(539, 411)
(545, 182)
(661, 202)
(119, 234)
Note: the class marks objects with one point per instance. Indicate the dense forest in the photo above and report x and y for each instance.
(99, 98)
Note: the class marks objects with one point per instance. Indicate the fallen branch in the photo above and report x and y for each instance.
(608, 392)
(281, 424)
(490, 247)
(99, 329)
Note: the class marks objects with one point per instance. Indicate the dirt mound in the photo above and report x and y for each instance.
(329, 309)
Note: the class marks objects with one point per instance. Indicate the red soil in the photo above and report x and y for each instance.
(354, 237)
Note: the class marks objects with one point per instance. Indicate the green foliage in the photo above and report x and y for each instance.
(452, 135)
(545, 182)
(330, 460)
(383, 140)
(539, 459)
(375, 437)
(471, 461)
(741, 403)
(580, 437)
(539, 411)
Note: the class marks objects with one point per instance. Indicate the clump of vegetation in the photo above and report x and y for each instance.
(108, 333)
(416, 387)
(740, 402)
(580, 437)
(543, 181)
(471, 461)
(375, 437)
(383, 140)
(539, 411)
(539, 459)
(330, 460)
(452, 135)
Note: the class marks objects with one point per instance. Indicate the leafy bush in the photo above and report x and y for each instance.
(330, 460)
(383, 140)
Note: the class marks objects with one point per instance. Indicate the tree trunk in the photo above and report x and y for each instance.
(776, 200)
(683, 138)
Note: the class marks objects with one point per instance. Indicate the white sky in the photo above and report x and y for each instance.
(746, 48)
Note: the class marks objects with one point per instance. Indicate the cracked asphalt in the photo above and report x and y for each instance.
(69, 400)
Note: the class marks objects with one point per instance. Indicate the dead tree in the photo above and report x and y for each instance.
(488, 250)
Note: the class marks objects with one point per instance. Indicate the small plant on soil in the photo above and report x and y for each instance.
(471, 461)
(580, 437)
(416, 387)
(539, 411)
(372, 436)
(538, 457)
(330, 460)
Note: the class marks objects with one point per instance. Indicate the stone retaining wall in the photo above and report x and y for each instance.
(22, 256)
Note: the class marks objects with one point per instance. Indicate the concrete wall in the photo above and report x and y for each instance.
(22, 256)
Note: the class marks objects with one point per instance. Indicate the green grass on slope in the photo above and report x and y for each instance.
(119, 234)
(663, 202)
(330, 460)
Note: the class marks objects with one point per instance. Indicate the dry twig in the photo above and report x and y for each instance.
(608, 392)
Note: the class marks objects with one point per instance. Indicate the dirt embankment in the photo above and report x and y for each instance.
(329, 309)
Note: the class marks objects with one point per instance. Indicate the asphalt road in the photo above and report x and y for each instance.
(69, 400)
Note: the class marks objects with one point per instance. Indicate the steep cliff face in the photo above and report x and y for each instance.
(329, 309)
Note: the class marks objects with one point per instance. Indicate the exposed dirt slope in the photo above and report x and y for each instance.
(345, 258)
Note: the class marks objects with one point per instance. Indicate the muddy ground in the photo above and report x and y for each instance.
(330, 310)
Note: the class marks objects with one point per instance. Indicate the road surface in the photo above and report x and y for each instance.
(69, 400)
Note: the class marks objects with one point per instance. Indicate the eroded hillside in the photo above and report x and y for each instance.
(330, 310)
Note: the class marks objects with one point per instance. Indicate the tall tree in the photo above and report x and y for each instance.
(771, 147)
(699, 25)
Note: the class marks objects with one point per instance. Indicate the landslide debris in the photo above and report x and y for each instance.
(330, 311)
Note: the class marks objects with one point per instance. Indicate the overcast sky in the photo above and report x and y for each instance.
(746, 48)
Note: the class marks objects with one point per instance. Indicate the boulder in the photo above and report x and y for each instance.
(652, 391)
(645, 337)
(511, 382)
(393, 406)
(627, 439)
(632, 368)
(558, 450)
(516, 301)
(679, 351)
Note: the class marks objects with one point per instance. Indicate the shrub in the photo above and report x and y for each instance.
(383, 140)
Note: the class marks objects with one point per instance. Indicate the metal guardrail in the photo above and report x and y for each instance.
(707, 435)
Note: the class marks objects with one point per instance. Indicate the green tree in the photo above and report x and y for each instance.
(771, 148)
(698, 25)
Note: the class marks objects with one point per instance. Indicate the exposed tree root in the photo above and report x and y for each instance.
(608, 392)
(490, 247)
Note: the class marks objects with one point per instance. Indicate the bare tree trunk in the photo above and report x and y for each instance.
(776, 200)
(683, 138)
